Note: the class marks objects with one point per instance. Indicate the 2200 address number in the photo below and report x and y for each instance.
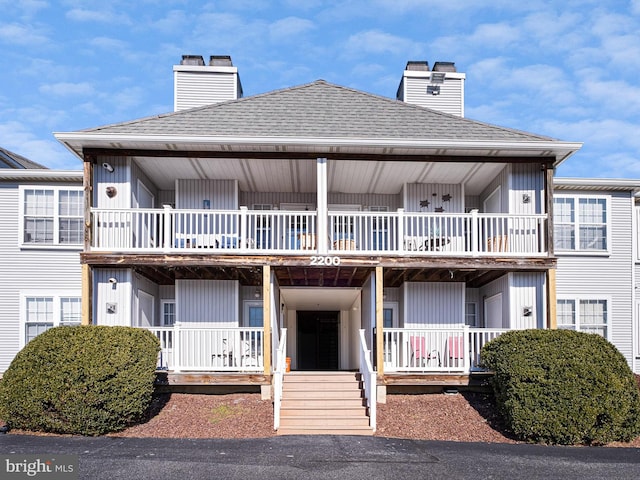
(326, 261)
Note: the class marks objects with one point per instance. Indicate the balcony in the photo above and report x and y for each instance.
(259, 232)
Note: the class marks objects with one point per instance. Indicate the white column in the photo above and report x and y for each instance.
(322, 226)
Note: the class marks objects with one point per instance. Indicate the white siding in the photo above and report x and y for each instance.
(120, 179)
(414, 193)
(527, 180)
(527, 290)
(196, 89)
(208, 301)
(44, 269)
(368, 308)
(433, 304)
(141, 283)
(222, 194)
(107, 294)
(500, 285)
(450, 100)
(502, 181)
(606, 276)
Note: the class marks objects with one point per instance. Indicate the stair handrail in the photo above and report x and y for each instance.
(278, 377)
(369, 379)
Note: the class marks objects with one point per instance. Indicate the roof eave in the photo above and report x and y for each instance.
(76, 141)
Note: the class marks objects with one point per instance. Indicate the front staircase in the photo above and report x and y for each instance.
(323, 403)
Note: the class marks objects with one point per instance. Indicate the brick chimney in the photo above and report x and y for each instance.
(196, 84)
(441, 88)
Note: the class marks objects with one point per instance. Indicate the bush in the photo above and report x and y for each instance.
(563, 387)
(87, 380)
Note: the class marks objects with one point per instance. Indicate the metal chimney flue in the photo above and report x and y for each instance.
(192, 60)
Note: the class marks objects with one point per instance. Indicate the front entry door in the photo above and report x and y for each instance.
(318, 340)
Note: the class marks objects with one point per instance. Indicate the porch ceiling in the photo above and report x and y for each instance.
(329, 277)
(299, 174)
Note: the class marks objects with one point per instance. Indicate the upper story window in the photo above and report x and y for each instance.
(581, 223)
(51, 216)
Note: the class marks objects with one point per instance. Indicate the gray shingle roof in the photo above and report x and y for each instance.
(8, 159)
(317, 110)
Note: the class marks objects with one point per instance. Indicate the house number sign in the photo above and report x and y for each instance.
(328, 261)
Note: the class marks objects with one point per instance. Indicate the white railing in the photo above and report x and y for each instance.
(278, 378)
(477, 339)
(184, 347)
(291, 232)
(453, 350)
(369, 380)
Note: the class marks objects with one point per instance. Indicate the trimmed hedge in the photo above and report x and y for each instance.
(563, 387)
(87, 380)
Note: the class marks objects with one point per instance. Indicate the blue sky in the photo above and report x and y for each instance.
(568, 69)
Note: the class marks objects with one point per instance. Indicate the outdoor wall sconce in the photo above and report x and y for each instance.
(256, 294)
(108, 167)
(111, 192)
(114, 282)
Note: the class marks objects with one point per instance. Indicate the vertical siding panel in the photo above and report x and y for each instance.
(222, 194)
(121, 295)
(526, 179)
(120, 178)
(208, 301)
(500, 285)
(417, 192)
(527, 290)
(434, 304)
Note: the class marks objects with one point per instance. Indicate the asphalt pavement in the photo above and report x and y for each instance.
(326, 457)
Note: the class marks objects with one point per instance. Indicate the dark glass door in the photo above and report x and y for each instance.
(318, 344)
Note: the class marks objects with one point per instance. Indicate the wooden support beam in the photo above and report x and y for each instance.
(379, 360)
(552, 318)
(86, 299)
(266, 309)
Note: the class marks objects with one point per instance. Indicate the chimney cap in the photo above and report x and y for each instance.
(421, 65)
(192, 60)
(444, 67)
(220, 61)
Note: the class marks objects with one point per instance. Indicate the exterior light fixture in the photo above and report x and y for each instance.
(108, 167)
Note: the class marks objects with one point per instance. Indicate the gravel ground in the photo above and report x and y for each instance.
(463, 417)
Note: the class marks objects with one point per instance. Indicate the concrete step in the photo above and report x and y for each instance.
(326, 403)
(324, 421)
(318, 394)
(324, 431)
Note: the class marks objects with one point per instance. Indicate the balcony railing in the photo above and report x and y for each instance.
(185, 347)
(451, 350)
(259, 232)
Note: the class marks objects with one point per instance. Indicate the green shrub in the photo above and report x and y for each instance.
(563, 387)
(87, 380)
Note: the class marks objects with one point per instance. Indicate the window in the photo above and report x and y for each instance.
(390, 315)
(42, 312)
(253, 314)
(585, 315)
(471, 314)
(580, 223)
(168, 312)
(52, 216)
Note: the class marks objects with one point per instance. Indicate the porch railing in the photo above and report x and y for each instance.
(368, 379)
(278, 378)
(186, 347)
(452, 350)
(292, 232)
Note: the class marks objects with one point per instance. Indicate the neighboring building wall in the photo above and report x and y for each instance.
(44, 271)
(601, 276)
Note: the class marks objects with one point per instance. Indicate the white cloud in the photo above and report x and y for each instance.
(173, 21)
(615, 96)
(290, 27)
(17, 137)
(17, 34)
(494, 35)
(378, 42)
(99, 16)
(67, 89)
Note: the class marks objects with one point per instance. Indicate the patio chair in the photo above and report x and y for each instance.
(420, 355)
(455, 351)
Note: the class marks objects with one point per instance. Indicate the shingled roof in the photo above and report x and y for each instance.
(9, 159)
(318, 110)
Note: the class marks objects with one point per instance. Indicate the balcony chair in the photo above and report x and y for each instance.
(420, 355)
(455, 351)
